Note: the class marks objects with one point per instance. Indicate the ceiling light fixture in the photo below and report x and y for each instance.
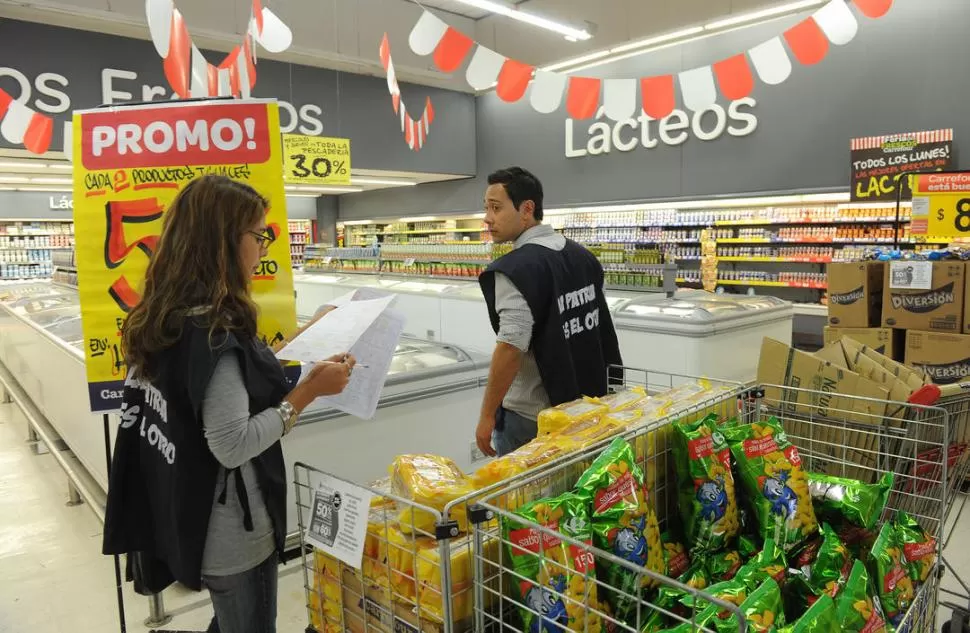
(682, 36)
(322, 189)
(62, 166)
(14, 179)
(23, 165)
(380, 181)
(52, 181)
(500, 8)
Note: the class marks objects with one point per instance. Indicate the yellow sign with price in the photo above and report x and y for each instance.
(316, 160)
(941, 205)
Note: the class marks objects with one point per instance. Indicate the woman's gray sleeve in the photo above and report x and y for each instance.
(235, 437)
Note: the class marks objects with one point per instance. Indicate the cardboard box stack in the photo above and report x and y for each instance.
(912, 311)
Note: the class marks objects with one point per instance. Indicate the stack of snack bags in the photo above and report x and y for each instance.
(433, 482)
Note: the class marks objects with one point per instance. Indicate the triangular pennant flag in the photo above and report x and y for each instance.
(482, 72)
(697, 88)
(771, 62)
(620, 98)
(734, 77)
(657, 94)
(547, 91)
(807, 41)
(837, 22)
(513, 80)
(583, 97)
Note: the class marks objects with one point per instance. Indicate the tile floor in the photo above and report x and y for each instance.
(53, 578)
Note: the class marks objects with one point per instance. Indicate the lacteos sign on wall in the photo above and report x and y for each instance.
(605, 136)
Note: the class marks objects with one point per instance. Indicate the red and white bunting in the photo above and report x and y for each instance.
(415, 131)
(189, 74)
(732, 78)
(929, 136)
(19, 125)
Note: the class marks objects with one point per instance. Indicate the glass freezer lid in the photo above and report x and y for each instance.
(415, 355)
(695, 310)
(424, 287)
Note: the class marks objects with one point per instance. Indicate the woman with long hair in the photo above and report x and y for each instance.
(197, 491)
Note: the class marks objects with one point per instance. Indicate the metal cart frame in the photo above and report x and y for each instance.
(841, 435)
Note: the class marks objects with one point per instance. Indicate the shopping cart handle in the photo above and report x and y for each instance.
(926, 395)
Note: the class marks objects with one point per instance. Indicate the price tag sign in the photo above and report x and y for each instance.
(337, 522)
(316, 160)
(941, 205)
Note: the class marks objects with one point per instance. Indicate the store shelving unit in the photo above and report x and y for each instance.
(417, 231)
(27, 247)
(301, 235)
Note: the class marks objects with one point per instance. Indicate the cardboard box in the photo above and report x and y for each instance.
(883, 340)
(855, 293)
(943, 358)
(818, 386)
(924, 296)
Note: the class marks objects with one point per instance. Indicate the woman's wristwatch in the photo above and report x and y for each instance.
(288, 415)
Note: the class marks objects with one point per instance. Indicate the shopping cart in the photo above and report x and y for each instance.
(439, 595)
(843, 435)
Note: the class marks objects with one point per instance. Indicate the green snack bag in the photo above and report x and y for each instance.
(563, 570)
(747, 547)
(676, 559)
(729, 591)
(828, 574)
(887, 566)
(624, 522)
(705, 484)
(668, 596)
(724, 565)
(820, 618)
(770, 473)
(762, 610)
(919, 548)
(768, 563)
(837, 499)
(799, 595)
(857, 611)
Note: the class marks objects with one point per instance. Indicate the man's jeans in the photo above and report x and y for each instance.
(245, 602)
(516, 431)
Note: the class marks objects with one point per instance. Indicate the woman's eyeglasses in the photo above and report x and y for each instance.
(265, 238)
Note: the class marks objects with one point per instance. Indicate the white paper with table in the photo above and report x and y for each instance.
(367, 328)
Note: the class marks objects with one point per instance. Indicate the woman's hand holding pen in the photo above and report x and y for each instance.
(327, 378)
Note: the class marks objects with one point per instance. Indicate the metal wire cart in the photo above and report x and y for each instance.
(924, 447)
(418, 571)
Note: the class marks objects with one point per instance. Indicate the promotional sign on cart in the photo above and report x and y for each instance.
(941, 205)
(338, 519)
(129, 164)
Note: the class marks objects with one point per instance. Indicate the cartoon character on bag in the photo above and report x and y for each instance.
(783, 499)
(630, 544)
(713, 499)
(549, 606)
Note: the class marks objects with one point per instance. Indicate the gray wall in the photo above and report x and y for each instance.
(353, 106)
(903, 72)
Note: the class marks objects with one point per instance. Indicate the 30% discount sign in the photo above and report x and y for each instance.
(941, 205)
(316, 160)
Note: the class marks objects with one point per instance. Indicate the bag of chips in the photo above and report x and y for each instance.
(706, 485)
(830, 570)
(820, 618)
(887, 566)
(588, 432)
(539, 451)
(856, 609)
(559, 417)
(625, 399)
(919, 548)
(431, 481)
(768, 563)
(731, 591)
(747, 547)
(676, 559)
(837, 499)
(771, 476)
(723, 565)
(762, 610)
(624, 521)
(552, 597)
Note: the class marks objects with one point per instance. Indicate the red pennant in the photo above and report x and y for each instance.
(807, 42)
(513, 80)
(213, 77)
(258, 14)
(874, 8)
(179, 58)
(385, 52)
(409, 130)
(658, 96)
(451, 50)
(429, 111)
(5, 100)
(39, 133)
(734, 77)
(396, 102)
(583, 97)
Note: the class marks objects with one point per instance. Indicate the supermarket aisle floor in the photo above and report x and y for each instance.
(53, 578)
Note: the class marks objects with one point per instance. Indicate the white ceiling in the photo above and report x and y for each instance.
(345, 34)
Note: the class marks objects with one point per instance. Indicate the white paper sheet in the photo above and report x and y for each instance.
(336, 332)
(375, 349)
(338, 518)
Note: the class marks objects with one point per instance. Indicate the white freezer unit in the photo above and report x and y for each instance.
(702, 335)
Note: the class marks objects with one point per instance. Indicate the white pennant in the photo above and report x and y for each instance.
(242, 67)
(547, 90)
(200, 74)
(484, 68)
(620, 98)
(771, 62)
(225, 83)
(426, 34)
(698, 88)
(276, 37)
(69, 140)
(159, 16)
(837, 22)
(16, 122)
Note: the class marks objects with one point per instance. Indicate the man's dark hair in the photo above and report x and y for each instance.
(520, 185)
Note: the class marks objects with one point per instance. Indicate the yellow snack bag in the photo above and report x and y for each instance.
(558, 417)
(628, 398)
(429, 565)
(539, 451)
(592, 430)
(402, 552)
(431, 481)
(326, 598)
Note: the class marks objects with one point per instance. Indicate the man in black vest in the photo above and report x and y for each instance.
(555, 336)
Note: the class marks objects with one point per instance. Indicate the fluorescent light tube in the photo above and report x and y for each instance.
(576, 60)
(660, 39)
(380, 181)
(529, 18)
(754, 16)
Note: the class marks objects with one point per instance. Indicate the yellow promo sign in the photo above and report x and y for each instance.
(941, 205)
(316, 160)
(129, 164)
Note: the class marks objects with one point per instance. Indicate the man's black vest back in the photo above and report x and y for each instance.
(163, 475)
(573, 337)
